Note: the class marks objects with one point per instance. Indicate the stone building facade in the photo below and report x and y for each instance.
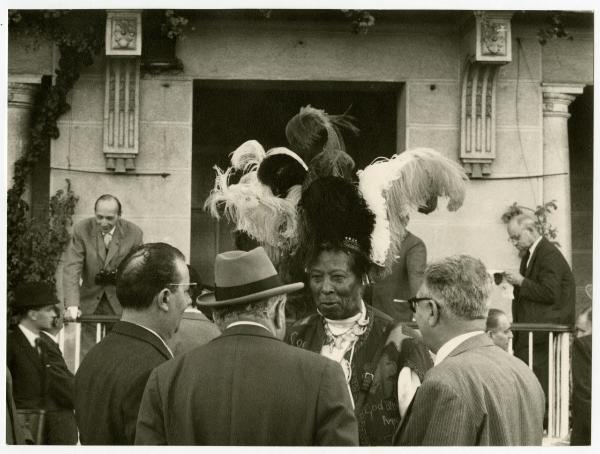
(416, 79)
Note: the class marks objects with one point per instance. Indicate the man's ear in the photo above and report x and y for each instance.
(434, 314)
(280, 312)
(162, 299)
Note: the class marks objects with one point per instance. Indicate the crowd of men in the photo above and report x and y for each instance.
(346, 375)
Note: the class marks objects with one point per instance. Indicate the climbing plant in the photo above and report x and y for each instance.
(34, 245)
(540, 213)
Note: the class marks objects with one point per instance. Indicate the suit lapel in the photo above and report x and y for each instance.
(114, 244)
(534, 256)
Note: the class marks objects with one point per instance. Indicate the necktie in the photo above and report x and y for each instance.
(39, 345)
(107, 238)
(524, 261)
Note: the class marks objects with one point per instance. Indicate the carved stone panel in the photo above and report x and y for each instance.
(124, 33)
(478, 119)
(121, 113)
(493, 36)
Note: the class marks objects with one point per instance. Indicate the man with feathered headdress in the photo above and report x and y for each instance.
(383, 362)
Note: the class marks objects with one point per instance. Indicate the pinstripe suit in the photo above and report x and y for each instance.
(478, 396)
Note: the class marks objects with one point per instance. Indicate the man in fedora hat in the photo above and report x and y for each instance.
(247, 387)
(41, 379)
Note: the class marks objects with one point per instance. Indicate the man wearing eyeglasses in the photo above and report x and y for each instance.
(544, 291)
(476, 394)
(154, 288)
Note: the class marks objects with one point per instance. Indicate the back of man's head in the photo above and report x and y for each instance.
(493, 318)
(463, 285)
(145, 272)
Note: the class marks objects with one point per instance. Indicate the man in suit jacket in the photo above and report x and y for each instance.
(247, 387)
(544, 291)
(404, 281)
(476, 394)
(153, 287)
(41, 379)
(97, 247)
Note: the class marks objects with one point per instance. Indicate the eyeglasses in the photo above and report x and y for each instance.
(190, 284)
(412, 302)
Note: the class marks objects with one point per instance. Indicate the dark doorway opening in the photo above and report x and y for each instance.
(228, 113)
(581, 159)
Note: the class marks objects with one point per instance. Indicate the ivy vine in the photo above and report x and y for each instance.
(34, 246)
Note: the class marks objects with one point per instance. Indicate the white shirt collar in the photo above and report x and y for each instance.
(30, 335)
(450, 345)
(246, 322)
(156, 334)
(532, 248)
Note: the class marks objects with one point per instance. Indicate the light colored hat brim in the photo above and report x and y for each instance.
(208, 299)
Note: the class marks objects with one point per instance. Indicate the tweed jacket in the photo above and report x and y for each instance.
(247, 388)
(477, 396)
(86, 256)
(110, 381)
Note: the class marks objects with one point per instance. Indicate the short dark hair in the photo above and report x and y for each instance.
(492, 319)
(106, 197)
(145, 271)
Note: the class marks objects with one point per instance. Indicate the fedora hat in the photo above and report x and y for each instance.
(34, 295)
(243, 277)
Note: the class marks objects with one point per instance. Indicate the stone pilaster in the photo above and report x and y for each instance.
(20, 102)
(556, 182)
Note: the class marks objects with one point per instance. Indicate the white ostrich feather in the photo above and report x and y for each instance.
(393, 187)
(247, 156)
(253, 208)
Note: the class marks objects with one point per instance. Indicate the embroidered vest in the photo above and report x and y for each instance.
(378, 415)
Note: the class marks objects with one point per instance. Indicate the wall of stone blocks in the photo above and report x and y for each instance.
(157, 195)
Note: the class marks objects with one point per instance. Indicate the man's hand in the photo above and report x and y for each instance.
(72, 313)
(513, 277)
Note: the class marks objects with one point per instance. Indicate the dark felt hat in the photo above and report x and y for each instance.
(34, 295)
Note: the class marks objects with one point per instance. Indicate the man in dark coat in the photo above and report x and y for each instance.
(41, 379)
(98, 246)
(153, 287)
(581, 407)
(246, 387)
(476, 394)
(544, 291)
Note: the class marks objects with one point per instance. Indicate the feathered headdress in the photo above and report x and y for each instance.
(408, 181)
(263, 203)
(332, 212)
(317, 138)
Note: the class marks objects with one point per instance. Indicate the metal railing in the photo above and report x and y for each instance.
(559, 372)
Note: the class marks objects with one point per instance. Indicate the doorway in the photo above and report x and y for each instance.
(227, 113)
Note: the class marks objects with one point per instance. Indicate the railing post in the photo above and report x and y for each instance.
(77, 345)
(551, 387)
(564, 384)
(530, 348)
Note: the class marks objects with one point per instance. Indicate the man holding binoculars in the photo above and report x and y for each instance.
(98, 246)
